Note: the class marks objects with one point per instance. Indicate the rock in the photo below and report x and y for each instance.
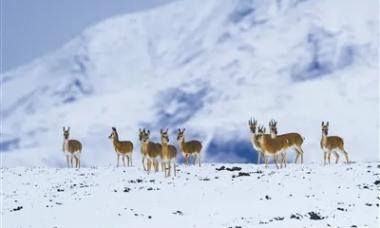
(17, 208)
(243, 174)
(178, 213)
(235, 168)
(221, 168)
(315, 216)
(296, 216)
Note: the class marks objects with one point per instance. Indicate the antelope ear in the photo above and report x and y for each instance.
(113, 128)
(184, 130)
(148, 132)
(327, 124)
(161, 131)
(179, 130)
(323, 123)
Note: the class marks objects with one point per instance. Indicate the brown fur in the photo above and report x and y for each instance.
(169, 153)
(295, 141)
(190, 148)
(273, 147)
(122, 148)
(332, 144)
(72, 146)
(143, 151)
(152, 150)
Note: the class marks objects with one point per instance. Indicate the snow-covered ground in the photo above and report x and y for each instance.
(308, 195)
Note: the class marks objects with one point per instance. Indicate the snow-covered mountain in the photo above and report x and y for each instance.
(207, 66)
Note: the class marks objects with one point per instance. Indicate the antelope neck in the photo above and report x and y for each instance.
(182, 143)
(115, 139)
(324, 138)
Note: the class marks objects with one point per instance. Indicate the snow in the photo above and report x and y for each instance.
(207, 66)
(208, 196)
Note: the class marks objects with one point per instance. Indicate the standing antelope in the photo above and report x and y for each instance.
(273, 147)
(142, 150)
(295, 140)
(72, 148)
(122, 148)
(169, 153)
(254, 140)
(152, 150)
(331, 144)
(189, 148)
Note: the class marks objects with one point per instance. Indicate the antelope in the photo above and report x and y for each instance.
(142, 150)
(152, 150)
(72, 148)
(331, 144)
(189, 148)
(169, 153)
(252, 123)
(273, 147)
(123, 149)
(295, 140)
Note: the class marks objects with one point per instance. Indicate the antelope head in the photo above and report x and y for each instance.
(252, 125)
(66, 132)
(261, 130)
(181, 135)
(260, 133)
(113, 133)
(145, 136)
(141, 134)
(164, 136)
(273, 127)
(325, 128)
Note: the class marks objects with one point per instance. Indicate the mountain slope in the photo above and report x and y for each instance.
(207, 66)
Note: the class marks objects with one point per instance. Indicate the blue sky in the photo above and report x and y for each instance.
(31, 28)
